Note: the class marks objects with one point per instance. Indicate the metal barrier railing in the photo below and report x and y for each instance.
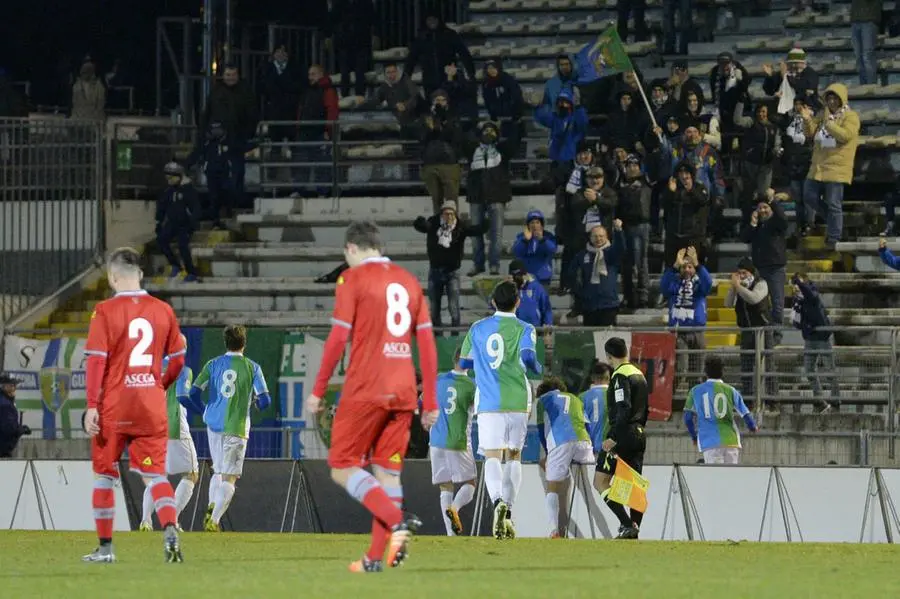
(51, 206)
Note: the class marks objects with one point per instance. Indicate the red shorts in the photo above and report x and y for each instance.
(146, 454)
(364, 434)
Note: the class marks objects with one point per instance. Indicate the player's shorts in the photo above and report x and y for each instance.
(363, 434)
(630, 449)
(227, 453)
(146, 454)
(562, 456)
(501, 430)
(451, 466)
(722, 455)
(181, 456)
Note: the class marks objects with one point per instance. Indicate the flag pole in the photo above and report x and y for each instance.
(646, 102)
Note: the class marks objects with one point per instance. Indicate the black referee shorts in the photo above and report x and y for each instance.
(630, 449)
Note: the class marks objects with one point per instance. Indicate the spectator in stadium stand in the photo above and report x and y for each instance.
(463, 94)
(633, 209)
(749, 296)
(435, 48)
(445, 238)
(534, 301)
(565, 79)
(887, 257)
(352, 33)
(629, 81)
(663, 104)
(691, 112)
(177, 217)
(504, 102)
(797, 158)
(595, 280)
(760, 149)
(636, 9)
(568, 125)
(221, 159)
(489, 189)
(865, 21)
(686, 203)
(10, 428)
(570, 212)
(536, 248)
(626, 122)
(318, 103)
(728, 82)
(803, 79)
(402, 98)
(681, 83)
(280, 84)
(767, 235)
(596, 200)
(810, 316)
(685, 26)
(685, 287)
(441, 138)
(231, 102)
(835, 133)
(88, 95)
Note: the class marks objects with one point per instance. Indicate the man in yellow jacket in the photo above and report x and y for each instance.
(835, 133)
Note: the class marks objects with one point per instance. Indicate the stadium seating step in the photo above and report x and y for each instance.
(719, 339)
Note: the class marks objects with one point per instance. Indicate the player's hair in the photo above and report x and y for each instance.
(551, 383)
(364, 234)
(505, 296)
(124, 260)
(457, 354)
(235, 337)
(600, 371)
(616, 347)
(714, 367)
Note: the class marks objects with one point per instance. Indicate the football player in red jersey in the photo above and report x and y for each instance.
(378, 306)
(129, 336)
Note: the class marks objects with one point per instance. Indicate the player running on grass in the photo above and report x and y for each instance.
(233, 381)
(181, 455)
(129, 336)
(378, 306)
(500, 348)
(713, 405)
(451, 445)
(564, 436)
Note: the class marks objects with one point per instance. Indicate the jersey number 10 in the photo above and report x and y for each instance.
(719, 406)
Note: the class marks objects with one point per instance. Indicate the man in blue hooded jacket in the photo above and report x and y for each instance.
(536, 247)
(567, 123)
(534, 301)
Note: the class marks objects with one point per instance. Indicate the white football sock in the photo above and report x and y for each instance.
(493, 478)
(214, 483)
(183, 493)
(226, 492)
(512, 480)
(148, 506)
(464, 496)
(446, 502)
(553, 511)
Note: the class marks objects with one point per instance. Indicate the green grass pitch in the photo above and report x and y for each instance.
(221, 566)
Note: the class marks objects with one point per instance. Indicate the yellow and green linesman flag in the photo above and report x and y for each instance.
(604, 57)
(628, 487)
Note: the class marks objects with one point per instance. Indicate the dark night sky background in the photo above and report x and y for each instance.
(42, 39)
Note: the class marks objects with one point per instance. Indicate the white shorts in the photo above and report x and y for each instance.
(451, 466)
(501, 430)
(181, 456)
(722, 455)
(227, 453)
(561, 457)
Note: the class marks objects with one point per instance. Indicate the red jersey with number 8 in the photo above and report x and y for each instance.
(134, 332)
(383, 305)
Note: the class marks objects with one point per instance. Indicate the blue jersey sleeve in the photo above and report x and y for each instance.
(183, 384)
(528, 349)
(263, 399)
(739, 404)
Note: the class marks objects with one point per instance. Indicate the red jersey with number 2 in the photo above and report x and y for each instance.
(383, 305)
(134, 332)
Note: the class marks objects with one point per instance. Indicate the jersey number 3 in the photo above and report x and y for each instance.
(398, 317)
(142, 330)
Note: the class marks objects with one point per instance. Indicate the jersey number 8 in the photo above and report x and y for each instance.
(227, 388)
(398, 317)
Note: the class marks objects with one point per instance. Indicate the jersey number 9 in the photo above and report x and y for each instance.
(495, 350)
(398, 317)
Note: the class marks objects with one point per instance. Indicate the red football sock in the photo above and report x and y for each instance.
(104, 503)
(382, 507)
(381, 535)
(164, 502)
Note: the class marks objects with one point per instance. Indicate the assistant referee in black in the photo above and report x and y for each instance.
(627, 407)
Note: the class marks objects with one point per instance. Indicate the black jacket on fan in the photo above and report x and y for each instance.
(449, 257)
(768, 242)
